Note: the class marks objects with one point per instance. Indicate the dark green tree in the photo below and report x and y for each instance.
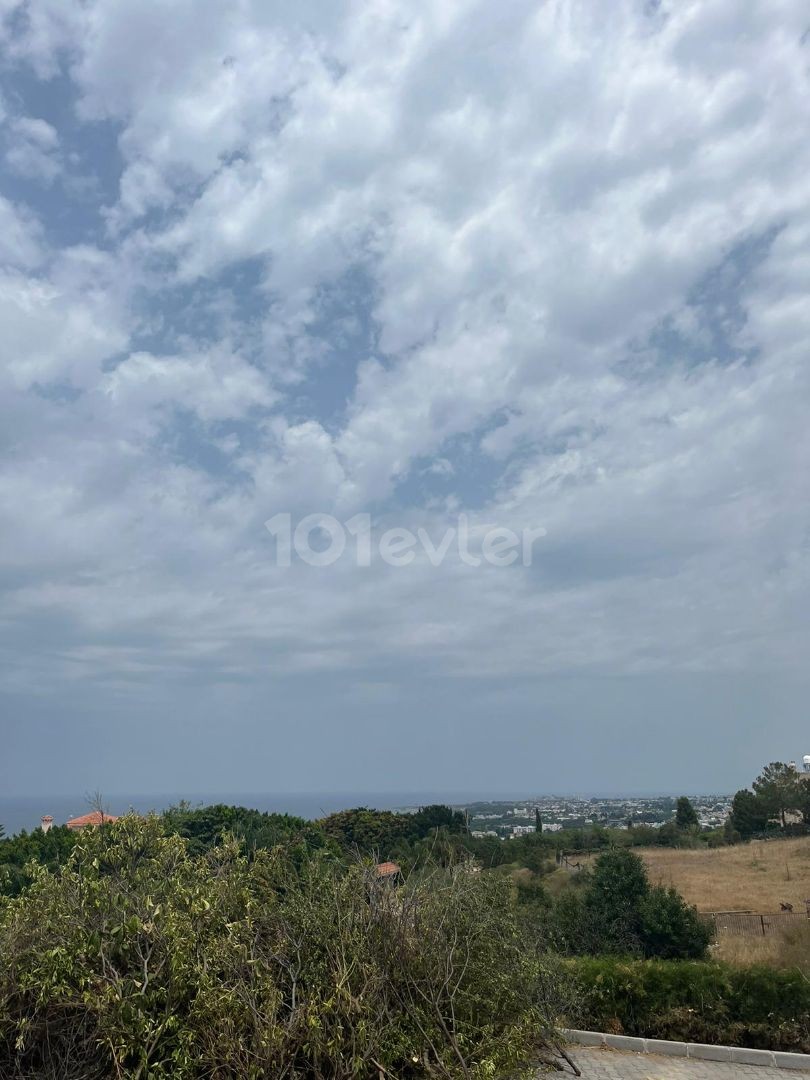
(685, 814)
(749, 815)
(370, 832)
(613, 899)
(671, 928)
(49, 849)
(428, 819)
(538, 821)
(779, 789)
(204, 827)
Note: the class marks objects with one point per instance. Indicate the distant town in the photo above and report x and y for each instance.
(518, 818)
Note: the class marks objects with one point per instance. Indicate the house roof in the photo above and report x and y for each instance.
(387, 869)
(95, 817)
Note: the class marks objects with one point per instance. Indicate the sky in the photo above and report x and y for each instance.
(443, 265)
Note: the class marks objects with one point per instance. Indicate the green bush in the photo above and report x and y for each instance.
(49, 849)
(670, 928)
(616, 911)
(140, 960)
(694, 1001)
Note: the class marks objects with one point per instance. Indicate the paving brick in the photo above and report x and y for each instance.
(598, 1063)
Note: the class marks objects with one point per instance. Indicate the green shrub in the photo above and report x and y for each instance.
(140, 960)
(50, 849)
(671, 928)
(694, 1001)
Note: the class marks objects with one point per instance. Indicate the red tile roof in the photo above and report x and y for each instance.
(95, 817)
(387, 869)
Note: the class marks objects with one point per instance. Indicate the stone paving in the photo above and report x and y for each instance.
(598, 1063)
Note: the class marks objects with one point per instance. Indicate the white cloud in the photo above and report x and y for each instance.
(536, 197)
(33, 149)
(20, 236)
(215, 386)
(61, 327)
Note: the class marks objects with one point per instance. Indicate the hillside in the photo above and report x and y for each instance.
(759, 875)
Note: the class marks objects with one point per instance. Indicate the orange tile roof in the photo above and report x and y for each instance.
(95, 817)
(387, 869)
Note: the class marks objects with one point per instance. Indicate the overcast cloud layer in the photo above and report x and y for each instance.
(546, 264)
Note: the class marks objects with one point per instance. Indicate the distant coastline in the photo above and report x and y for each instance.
(24, 812)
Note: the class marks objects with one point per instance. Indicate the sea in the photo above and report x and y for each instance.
(25, 812)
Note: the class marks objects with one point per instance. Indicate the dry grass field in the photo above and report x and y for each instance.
(756, 876)
(791, 948)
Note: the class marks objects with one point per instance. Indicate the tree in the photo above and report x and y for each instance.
(613, 899)
(779, 789)
(49, 849)
(669, 835)
(685, 815)
(538, 821)
(205, 826)
(748, 814)
(428, 819)
(671, 928)
(619, 912)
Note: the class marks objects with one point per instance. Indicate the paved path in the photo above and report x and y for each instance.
(600, 1064)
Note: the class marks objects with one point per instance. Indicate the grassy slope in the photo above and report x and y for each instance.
(758, 875)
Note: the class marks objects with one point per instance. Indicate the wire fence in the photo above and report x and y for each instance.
(752, 924)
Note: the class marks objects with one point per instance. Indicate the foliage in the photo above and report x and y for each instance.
(685, 814)
(790, 948)
(49, 849)
(205, 826)
(617, 911)
(139, 959)
(694, 1001)
(371, 832)
(612, 901)
(779, 789)
(428, 819)
(671, 928)
(379, 832)
(748, 815)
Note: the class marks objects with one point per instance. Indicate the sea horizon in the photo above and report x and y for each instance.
(25, 812)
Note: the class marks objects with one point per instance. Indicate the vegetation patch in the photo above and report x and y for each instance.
(139, 959)
(694, 1001)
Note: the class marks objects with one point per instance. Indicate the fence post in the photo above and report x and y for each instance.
(762, 920)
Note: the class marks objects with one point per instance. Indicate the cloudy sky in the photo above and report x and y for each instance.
(544, 264)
